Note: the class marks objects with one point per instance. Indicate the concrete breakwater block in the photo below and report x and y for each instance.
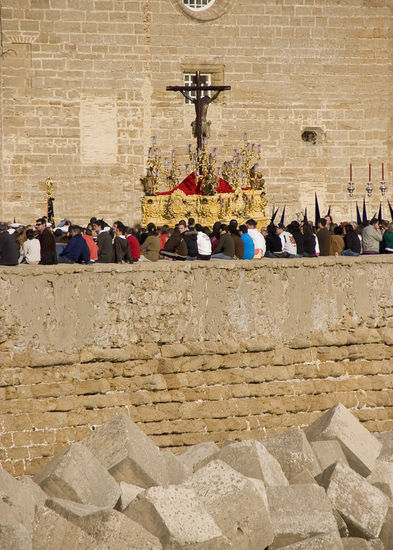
(76, 474)
(235, 504)
(360, 447)
(127, 453)
(117, 490)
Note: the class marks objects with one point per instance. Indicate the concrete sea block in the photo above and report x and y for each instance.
(382, 477)
(328, 452)
(75, 474)
(386, 439)
(362, 505)
(303, 478)
(386, 534)
(127, 453)
(299, 512)
(176, 470)
(195, 454)
(13, 534)
(251, 459)
(128, 493)
(18, 497)
(360, 447)
(320, 542)
(176, 516)
(51, 530)
(356, 543)
(293, 452)
(235, 505)
(110, 529)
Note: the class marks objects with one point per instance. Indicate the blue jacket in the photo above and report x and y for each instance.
(249, 247)
(77, 250)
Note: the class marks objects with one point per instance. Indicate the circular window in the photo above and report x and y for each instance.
(203, 10)
(198, 4)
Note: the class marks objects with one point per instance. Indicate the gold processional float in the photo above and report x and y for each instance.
(208, 193)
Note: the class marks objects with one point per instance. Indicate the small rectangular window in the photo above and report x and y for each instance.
(189, 80)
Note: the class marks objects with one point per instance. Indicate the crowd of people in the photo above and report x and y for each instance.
(103, 243)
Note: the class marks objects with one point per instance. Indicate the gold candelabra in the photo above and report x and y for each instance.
(160, 173)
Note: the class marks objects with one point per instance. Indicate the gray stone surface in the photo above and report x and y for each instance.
(39, 496)
(293, 452)
(341, 525)
(356, 543)
(176, 470)
(192, 456)
(382, 477)
(386, 534)
(320, 542)
(386, 439)
(128, 493)
(76, 474)
(303, 478)
(13, 534)
(19, 499)
(111, 529)
(328, 452)
(362, 505)
(52, 531)
(235, 504)
(300, 512)
(176, 516)
(360, 447)
(251, 459)
(127, 453)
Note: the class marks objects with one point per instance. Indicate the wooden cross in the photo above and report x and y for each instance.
(201, 104)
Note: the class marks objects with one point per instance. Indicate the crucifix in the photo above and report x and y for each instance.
(201, 104)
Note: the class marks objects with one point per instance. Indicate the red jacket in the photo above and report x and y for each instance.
(134, 247)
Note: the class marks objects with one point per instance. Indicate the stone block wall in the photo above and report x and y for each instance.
(192, 352)
(84, 92)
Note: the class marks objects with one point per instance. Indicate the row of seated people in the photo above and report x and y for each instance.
(188, 241)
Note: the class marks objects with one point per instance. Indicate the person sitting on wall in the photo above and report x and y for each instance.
(91, 245)
(190, 237)
(388, 239)
(248, 243)
(352, 242)
(204, 244)
(273, 243)
(31, 249)
(323, 235)
(47, 242)
(288, 242)
(337, 244)
(76, 250)
(120, 244)
(150, 247)
(175, 248)
(371, 237)
(226, 247)
(237, 240)
(9, 249)
(106, 253)
(308, 241)
(294, 229)
(258, 238)
(135, 247)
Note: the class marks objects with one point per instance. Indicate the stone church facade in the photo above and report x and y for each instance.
(83, 93)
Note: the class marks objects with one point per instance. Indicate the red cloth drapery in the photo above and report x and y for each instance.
(189, 187)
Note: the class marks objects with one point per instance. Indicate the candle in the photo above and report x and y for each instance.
(187, 168)
(369, 172)
(189, 147)
(383, 172)
(245, 137)
(350, 172)
(154, 140)
(173, 154)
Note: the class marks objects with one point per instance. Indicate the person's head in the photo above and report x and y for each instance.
(264, 231)
(182, 226)
(348, 228)
(374, 222)
(198, 227)
(99, 225)
(390, 228)
(216, 228)
(271, 229)
(75, 230)
(251, 224)
(164, 229)
(58, 232)
(280, 228)
(232, 227)
(191, 222)
(3, 227)
(88, 231)
(295, 225)
(93, 220)
(151, 229)
(243, 229)
(117, 224)
(328, 219)
(338, 230)
(224, 228)
(40, 224)
(322, 223)
(119, 228)
(307, 229)
(30, 234)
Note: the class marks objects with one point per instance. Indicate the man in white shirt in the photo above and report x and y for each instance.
(31, 249)
(258, 239)
(288, 242)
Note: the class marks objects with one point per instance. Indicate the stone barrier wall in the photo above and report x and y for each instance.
(193, 351)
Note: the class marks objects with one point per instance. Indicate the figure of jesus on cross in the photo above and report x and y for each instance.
(201, 104)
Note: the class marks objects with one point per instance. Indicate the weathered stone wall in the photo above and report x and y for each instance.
(192, 351)
(84, 92)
